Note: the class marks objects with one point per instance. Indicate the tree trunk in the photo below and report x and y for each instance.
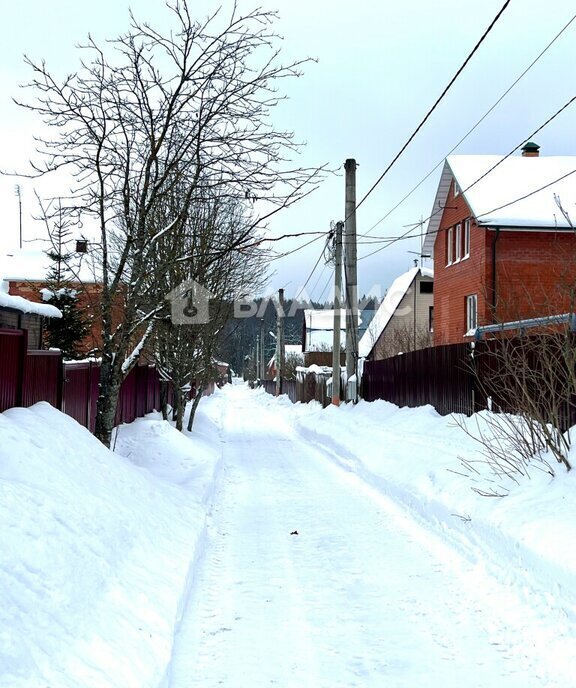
(110, 381)
(194, 407)
(164, 399)
(179, 406)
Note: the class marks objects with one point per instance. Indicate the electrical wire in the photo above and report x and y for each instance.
(521, 198)
(330, 277)
(438, 100)
(500, 99)
(408, 234)
(314, 268)
(295, 250)
(489, 212)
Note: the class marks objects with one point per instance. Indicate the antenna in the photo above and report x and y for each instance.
(18, 192)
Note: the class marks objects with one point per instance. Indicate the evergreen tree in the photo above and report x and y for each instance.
(64, 333)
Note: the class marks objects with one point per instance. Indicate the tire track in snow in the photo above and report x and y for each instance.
(359, 598)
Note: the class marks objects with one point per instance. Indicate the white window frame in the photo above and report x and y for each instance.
(458, 243)
(466, 242)
(456, 189)
(471, 314)
(449, 246)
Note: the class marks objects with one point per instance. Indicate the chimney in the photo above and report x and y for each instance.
(530, 150)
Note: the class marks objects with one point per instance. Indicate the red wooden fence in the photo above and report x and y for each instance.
(27, 377)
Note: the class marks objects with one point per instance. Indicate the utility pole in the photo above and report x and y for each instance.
(280, 354)
(337, 306)
(351, 278)
(262, 371)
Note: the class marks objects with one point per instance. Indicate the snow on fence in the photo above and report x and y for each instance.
(288, 388)
(28, 376)
(310, 384)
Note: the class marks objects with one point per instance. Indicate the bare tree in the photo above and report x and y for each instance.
(185, 349)
(400, 338)
(149, 111)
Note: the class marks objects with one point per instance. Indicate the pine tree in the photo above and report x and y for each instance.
(67, 332)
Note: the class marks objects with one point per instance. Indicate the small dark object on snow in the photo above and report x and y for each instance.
(294, 532)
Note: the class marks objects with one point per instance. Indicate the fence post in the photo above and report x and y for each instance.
(60, 390)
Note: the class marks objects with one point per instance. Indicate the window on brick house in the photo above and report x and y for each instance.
(456, 189)
(466, 240)
(431, 318)
(449, 245)
(457, 243)
(471, 313)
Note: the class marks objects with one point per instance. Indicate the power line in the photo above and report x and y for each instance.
(319, 278)
(500, 99)
(523, 142)
(408, 234)
(313, 269)
(438, 100)
(488, 212)
(521, 198)
(330, 277)
(299, 248)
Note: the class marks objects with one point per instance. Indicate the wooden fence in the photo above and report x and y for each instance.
(288, 388)
(27, 377)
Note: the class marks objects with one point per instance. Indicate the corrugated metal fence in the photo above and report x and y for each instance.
(27, 377)
(442, 376)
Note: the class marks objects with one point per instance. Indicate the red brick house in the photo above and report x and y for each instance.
(24, 275)
(502, 246)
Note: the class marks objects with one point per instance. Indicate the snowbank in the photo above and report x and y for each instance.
(96, 551)
(414, 456)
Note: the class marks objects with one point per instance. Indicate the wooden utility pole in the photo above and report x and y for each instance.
(280, 354)
(261, 372)
(351, 278)
(337, 306)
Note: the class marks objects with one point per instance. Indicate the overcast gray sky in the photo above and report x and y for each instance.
(380, 67)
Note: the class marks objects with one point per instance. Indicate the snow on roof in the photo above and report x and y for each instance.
(24, 306)
(505, 197)
(388, 307)
(33, 265)
(323, 319)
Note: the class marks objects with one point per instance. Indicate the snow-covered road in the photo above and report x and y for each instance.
(362, 595)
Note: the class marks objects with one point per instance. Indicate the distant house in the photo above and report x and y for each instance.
(291, 351)
(318, 335)
(24, 272)
(21, 314)
(504, 247)
(405, 319)
(318, 329)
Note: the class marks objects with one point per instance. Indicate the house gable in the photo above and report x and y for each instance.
(522, 254)
(394, 326)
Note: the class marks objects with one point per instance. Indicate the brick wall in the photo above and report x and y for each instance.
(452, 283)
(89, 300)
(535, 274)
